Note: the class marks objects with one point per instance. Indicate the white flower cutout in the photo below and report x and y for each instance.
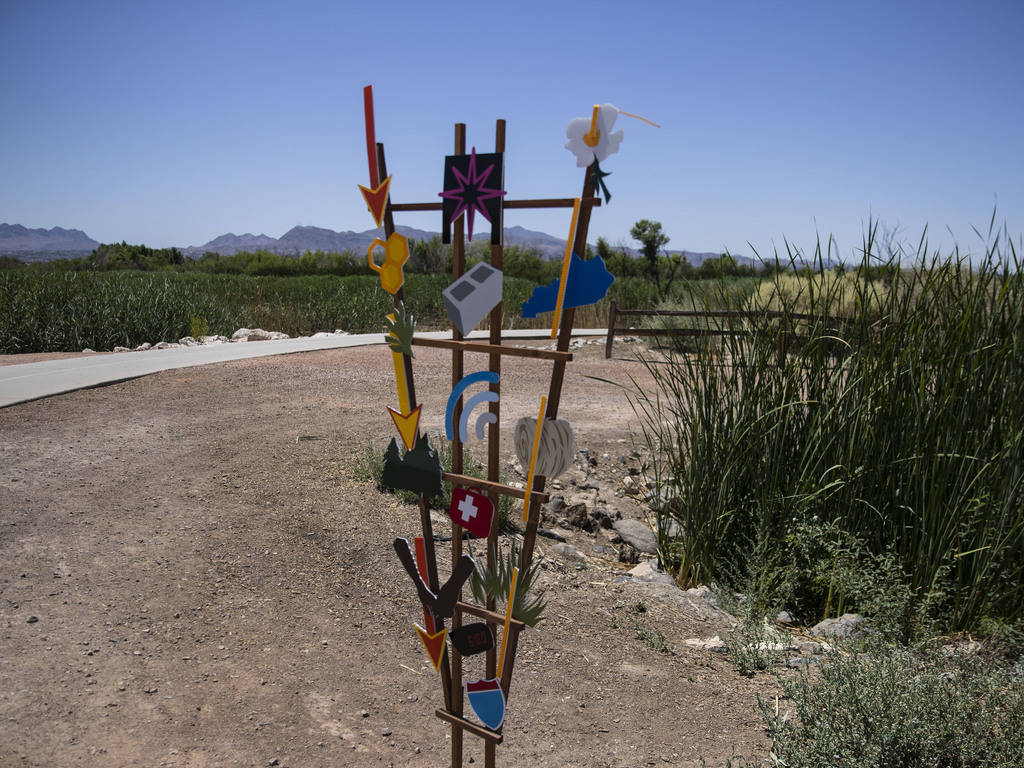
(592, 137)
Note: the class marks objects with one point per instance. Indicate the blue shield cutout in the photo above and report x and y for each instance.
(488, 701)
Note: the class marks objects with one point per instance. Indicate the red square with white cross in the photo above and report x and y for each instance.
(472, 510)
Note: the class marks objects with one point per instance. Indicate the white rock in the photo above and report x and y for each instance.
(122, 349)
(649, 571)
(143, 347)
(711, 644)
(88, 351)
(166, 345)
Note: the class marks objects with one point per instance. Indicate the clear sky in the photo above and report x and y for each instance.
(170, 123)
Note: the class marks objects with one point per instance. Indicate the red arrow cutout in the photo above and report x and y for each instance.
(377, 199)
(434, 644)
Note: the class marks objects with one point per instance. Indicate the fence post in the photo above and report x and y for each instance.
(613, 307)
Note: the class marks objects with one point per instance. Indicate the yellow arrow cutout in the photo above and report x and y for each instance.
(406, 419)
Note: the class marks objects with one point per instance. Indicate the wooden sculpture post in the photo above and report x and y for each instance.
(449, 665)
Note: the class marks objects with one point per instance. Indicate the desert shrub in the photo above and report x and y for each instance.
(899, 708)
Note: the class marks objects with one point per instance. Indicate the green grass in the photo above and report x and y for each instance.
(875, 466)
(47, 311)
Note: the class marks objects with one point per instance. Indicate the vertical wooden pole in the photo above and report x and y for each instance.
(398, 298)
(613, 307)
(458, 267)
(494, 435)
(428, 531)
(554, 396)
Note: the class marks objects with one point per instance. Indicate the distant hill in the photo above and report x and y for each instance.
(297, 240)
(15, 238)
(57, 243)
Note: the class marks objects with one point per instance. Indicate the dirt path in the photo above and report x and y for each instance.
(184, 582)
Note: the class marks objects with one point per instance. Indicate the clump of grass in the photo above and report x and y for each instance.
(893, 440)
(655, 640)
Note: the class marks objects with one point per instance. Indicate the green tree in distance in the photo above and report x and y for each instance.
(662, 270)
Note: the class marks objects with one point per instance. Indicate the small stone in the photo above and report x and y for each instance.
(846, 626)
(143, 346)
(800, 661)
(628, 553)
(386, 732)
(578, 517)
(568, 552)
(549, 534)
(364, 713)
(88, 351)
(32, 620)
(785, 618)
(808, 646)
(122, 349)
(637, 534)
(274, 761)
(650, 572)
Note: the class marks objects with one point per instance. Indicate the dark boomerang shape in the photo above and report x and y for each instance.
(443, 603)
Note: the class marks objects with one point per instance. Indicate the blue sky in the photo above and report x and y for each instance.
(172, 123)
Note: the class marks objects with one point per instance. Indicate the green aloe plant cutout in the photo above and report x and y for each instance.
(400, 331)
(485, 582)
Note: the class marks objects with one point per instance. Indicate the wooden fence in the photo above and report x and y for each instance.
(614, 313)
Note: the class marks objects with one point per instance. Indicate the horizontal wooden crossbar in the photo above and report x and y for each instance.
(466, 725)
(490, 485)
(553, 202)
(716, 313)
(676, 332)
(479, 346)
(490, 616)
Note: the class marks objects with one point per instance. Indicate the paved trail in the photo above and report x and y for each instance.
(30, 381)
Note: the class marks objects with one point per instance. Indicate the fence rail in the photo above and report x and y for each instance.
(614, 313)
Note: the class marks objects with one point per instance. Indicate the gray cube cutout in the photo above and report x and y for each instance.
(472, 296)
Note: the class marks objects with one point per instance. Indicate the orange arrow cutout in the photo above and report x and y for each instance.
(377, 199)
(408, 424)
(434, 645)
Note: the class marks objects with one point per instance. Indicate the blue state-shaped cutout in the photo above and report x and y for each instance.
(588, 282)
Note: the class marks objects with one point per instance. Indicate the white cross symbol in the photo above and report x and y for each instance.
(467, 508)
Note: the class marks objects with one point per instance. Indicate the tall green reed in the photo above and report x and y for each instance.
(874, 462)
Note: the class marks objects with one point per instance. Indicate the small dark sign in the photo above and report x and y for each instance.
(472, 638)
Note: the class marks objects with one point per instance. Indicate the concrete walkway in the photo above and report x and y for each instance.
(31, 381)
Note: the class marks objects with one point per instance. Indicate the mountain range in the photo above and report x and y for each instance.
(47, 244)
(15, 238)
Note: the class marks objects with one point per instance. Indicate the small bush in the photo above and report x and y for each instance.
(901, 709)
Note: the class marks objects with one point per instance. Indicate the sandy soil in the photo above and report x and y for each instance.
(187, 579)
